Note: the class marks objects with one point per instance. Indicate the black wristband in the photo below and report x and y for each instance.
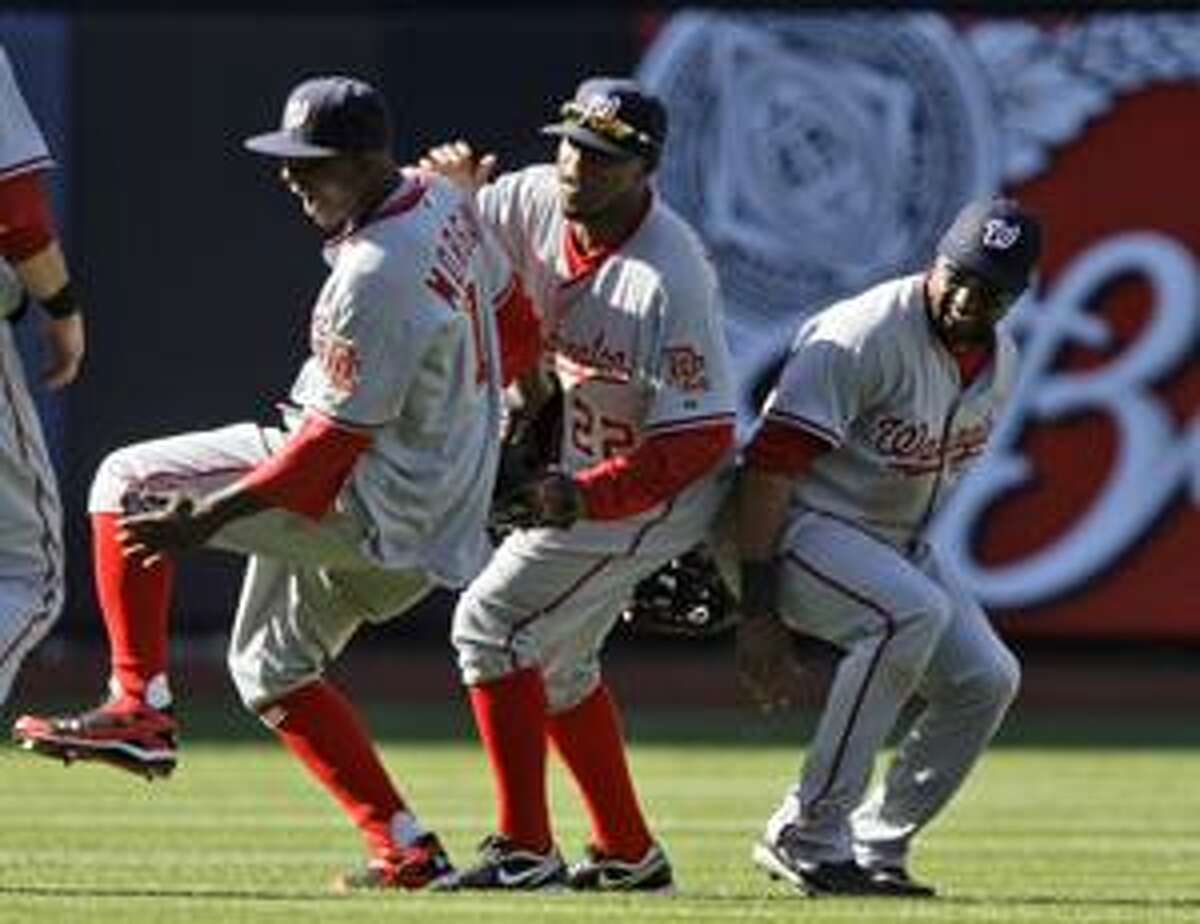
(63, 303)
(760, 587)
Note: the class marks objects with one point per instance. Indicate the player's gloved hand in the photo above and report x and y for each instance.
(553, 500)
(162, 524)
(459, 164)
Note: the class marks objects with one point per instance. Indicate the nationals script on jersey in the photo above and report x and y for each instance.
(637, 343)
(404, 343)
(869, 375)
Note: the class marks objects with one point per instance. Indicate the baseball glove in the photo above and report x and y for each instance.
(527, 483)
(687, 597)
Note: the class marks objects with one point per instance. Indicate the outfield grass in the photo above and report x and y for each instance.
(1092, 820)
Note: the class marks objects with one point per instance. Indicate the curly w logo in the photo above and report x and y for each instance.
(998, 234)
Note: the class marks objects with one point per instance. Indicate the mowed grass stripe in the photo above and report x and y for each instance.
(1041, 834)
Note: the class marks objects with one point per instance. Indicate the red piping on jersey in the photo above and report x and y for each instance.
(306, 475)
(676, 426)
(27, 226)
(803, 423)
(889, 632)
(404, 200)
(399, 201)
(41, 162)
(662, 466)
(784, 449)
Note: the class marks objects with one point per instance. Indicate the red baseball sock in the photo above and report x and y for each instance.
(510, 714)
(318, 725)
(134, 600)
(588, 737)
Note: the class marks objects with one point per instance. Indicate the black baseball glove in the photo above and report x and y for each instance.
(530, 491)
(687, 597)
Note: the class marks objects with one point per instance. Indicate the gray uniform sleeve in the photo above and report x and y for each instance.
(500, 208)
(367, 346)
(22, 147)
(825, 384)
(693, 383)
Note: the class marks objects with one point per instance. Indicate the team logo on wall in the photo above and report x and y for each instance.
(816, 154)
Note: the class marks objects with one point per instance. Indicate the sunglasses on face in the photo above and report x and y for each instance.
(603, 122)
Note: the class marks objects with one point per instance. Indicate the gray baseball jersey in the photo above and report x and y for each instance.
(31, 557)
(870, 376)
(403, 343)
(639, 348)
(862, 375)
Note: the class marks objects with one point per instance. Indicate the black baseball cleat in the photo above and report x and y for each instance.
(504, 865)
(844, 877)
(597, 872)
(896, 877)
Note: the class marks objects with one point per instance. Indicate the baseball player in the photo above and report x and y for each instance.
(374, 491)
(883, 402)
(31, 264)
(628, 319)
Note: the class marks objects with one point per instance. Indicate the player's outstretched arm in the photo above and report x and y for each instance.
(45, 277)
(457, 162)
(765, 662)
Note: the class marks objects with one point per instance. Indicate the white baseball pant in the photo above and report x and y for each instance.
(538, 604)
(307, 587)
(907, 626)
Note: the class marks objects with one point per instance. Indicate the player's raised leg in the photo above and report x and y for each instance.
(134, 729)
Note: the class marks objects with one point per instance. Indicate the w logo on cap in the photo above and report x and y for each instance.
(999, 234)
(295, 114)
(602, 107)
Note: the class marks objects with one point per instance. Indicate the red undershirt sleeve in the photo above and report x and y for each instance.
(26, 223)
(784, 449)
(657, 470)
(306, 475)
(519, 330)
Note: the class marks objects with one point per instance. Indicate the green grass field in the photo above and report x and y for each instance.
(1066, 820)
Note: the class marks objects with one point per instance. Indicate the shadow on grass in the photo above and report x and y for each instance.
(198, 894)
(736, 728)
(1046, 901)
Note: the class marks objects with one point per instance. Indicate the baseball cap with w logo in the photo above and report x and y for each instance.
(997, 239)
(615, 116)
(328, 116)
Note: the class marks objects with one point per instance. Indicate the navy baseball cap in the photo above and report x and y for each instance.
(997, 239)
(615, 116)
(328, 116)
